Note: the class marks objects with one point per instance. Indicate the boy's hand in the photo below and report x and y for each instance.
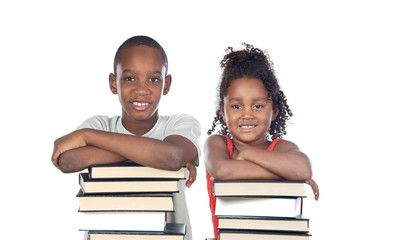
(192, 173)
(314, 187)
(67, 142)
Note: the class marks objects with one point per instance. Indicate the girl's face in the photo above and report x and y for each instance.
(247, 110)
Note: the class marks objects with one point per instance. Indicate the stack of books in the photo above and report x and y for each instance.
(251, 209)
(128, 201)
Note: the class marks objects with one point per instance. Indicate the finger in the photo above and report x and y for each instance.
(190, 181)
(55, 156)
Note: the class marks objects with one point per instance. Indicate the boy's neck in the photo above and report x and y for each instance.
(139, 127)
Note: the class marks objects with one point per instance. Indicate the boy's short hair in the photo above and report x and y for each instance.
(137, 41)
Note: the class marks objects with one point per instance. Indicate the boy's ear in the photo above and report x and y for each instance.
(113, 83)
(168, 82)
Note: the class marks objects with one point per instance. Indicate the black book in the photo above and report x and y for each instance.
(174, 231)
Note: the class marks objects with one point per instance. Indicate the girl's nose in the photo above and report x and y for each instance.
(247, 113)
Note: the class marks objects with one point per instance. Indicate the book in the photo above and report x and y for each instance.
(135, 185)
(259, 188)
(298, 224)
(122, 221)
(174, 231)
(263, 235)
(260, 207)
(129, 169)
(125, 202)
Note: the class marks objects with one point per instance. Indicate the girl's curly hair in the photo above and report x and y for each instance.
(251, 63)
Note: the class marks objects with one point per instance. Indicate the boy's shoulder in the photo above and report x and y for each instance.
(178, 118)
(102, 122)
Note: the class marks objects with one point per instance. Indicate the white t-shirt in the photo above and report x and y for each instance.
(178, 124)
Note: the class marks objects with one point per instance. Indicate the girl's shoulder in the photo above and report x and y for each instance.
(284, 145)
(217, 139)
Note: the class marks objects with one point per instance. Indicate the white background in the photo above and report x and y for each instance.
(347, 69)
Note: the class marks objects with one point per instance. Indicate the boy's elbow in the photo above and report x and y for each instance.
(67, 164)
(175, 161)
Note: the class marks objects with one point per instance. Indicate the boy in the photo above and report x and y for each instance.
(166, 142)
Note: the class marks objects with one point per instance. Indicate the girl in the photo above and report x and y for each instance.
(250, 120)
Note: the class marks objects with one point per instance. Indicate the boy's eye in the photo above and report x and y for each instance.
(154, 79)
(129, 79)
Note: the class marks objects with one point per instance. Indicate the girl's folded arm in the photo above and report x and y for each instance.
(221, 167)
(286, 160)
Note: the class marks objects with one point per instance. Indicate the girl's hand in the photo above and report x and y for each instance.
(314, 187)
(70, 141)
(192, 173)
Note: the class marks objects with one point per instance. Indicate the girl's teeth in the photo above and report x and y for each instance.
(250, 126)
(139, 104)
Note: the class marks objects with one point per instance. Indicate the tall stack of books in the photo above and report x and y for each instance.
(251, 209)
(128, 201)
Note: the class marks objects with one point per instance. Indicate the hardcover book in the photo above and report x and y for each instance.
(125, 202)
(130, 169)
(174, 231)
(134, 185)
(122, 221)
(259, 188)
(259, 207)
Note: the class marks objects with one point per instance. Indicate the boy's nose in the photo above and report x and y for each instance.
(141, 89)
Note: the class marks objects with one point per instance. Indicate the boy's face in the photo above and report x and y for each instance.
(140, 82)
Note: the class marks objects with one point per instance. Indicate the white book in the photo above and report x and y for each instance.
(122, 221)
(259, 207)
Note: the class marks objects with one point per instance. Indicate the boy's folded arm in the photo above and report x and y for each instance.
(221, 167)
(286, 161)
(172, 153)
(78, 159)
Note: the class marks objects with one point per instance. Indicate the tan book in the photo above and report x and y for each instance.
(122, 221)
(259, 188)
(290, 207)
(129, 169)
(135, 185)
(125, 202)
(263, 235)
(264, 223)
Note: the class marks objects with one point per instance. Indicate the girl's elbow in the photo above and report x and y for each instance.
(304, 175)
(219, 173)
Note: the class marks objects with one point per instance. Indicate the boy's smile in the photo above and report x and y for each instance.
(248, 110)
(140, 82)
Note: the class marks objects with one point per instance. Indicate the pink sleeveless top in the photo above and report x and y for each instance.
(210, 180)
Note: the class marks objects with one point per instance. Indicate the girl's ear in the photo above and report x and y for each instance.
(222, 112)
(168, 82)
(113, 83)
(275, 113)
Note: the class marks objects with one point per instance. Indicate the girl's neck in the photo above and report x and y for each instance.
(239, 146)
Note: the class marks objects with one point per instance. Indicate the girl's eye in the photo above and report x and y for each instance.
(236, 107)
(257, 106)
